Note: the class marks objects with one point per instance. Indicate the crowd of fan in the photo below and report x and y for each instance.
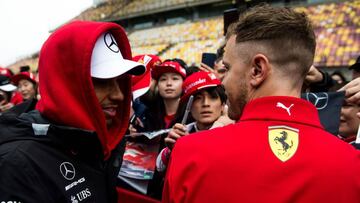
(160, 99)
(171, 100)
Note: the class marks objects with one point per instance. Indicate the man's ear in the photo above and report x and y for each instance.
(260, 69)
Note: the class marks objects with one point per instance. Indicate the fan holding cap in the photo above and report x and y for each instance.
(141, 84)
(73, 135)
(157, 115)
(143, 89)
(6, 90)
(207, 111)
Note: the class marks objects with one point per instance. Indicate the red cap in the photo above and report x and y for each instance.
(198, 81)
(141, 83)
(153, 61)
(5, 72)
(168, 67)
(23, 75)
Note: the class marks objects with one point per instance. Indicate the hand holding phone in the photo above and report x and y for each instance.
(208, 59)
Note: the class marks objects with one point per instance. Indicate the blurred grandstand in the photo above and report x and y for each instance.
(186, 28)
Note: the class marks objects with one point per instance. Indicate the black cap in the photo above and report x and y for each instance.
(356, 65)
(4, 80)
(5, 84)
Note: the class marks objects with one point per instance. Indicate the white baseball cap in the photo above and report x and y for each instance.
(107, 61)
(5, 84)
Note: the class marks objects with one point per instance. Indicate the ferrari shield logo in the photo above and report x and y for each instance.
(283, 141)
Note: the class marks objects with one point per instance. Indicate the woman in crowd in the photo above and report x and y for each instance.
(26, 84)
(207, 111)
(349, 122)
(138, 172)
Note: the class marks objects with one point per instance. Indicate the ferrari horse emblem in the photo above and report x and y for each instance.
(283, 141)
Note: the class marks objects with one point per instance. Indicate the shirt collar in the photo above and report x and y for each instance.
(282, 108)
(348, 139)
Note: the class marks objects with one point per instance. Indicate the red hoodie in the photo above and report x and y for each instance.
(67, 93)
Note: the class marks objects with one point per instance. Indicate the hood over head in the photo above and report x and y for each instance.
(67, 93)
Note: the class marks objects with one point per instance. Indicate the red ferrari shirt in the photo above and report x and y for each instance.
(277, 152)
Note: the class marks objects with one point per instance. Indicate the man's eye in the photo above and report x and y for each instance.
(100, 82)
(226, 66)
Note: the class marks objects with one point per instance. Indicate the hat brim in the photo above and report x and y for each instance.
(113, 69)
(159, 70)
(186, 96)
(8, 88)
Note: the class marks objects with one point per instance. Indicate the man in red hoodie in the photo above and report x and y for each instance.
(277, 151)
(67, 149)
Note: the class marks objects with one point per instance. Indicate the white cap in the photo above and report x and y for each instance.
(5, 84)
(107, 61)
(8, 88)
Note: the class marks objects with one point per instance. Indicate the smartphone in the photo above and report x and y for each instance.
(230, 16)
(208, 59)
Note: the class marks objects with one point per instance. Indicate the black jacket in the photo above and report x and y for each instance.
(43, 162)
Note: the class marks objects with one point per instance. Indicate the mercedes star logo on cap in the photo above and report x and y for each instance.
(320, 100)
(67, 170)
(110, 42)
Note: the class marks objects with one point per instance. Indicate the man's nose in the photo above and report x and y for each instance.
(342, 111)
(206, 101)
(116, 93)
(168, 83)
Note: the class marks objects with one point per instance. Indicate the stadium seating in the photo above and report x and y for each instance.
(186, 41)
(191, 51)
(337, 31)
(140, 6)
(337, 28)
(102, 11)
(150, 49)
(337, 46)
(188, 31)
